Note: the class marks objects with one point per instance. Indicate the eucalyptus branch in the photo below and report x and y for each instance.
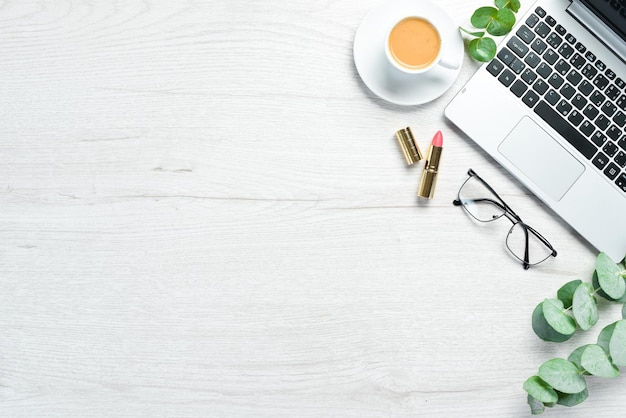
(562, 381)
(496, 21)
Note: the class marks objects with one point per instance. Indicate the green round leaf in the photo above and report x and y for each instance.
(482, 49)
(502, 23)
(599, 291)
(596, 361)
(536, 406)
(610, 276)
(566, 293)
(604, 338)
(617, 345)
(540, 390)
(544, 330)
(575, 358)
(562, 375)
(584, 306)
(513, 5)
(483, 16)
(572, 399)
(556, 317)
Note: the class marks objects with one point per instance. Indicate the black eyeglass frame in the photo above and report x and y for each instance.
(510, 215)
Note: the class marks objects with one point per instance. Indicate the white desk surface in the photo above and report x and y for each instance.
(205, 213)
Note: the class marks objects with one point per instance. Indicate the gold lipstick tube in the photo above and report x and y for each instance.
(429, 175)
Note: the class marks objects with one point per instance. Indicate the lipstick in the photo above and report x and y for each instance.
(431, 167)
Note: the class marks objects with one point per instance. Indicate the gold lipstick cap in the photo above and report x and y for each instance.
(411, 151)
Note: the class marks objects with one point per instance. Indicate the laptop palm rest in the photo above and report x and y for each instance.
(541, 159)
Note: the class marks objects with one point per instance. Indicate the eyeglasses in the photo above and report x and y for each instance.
(485, 205)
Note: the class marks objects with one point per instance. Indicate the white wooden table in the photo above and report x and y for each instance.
(205, 213)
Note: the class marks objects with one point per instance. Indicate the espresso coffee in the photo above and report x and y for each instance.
(414, 43)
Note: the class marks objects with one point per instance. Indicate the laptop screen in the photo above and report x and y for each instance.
(612, 12)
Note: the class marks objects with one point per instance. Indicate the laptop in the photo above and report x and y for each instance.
(558, 88)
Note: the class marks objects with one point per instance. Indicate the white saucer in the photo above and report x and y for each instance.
(381, 77)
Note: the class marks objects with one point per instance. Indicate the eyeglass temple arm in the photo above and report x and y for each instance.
(471, 172)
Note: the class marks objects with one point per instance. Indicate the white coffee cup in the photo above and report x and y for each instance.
(413, 45)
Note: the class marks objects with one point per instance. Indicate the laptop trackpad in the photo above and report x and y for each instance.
(543, 160)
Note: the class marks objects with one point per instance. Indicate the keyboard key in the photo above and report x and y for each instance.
(598, 138)
(609, 149)
(506, 78)
(554, 40)
(578, 61)
(600, 161)
(608, 108)
(518, 88)
(621, 182)
(506, 56)
(566, 51)
(621, 102)
(621, 84)
(585, 87)
(567, 91)
(552, 97)
(591, 111)
(590, 56)
(540, 86)
(560, 30)
(613, 132)
(602, 122)
(563, 107)
(542, 29)
(525, 34)
(532, 59)
(544, 70)
(540, 12)
(620, 119)
(586, 128)
(580, 47)
(517, 46)
(622, 143)
(597, 98)
(620, 159)
(550, 56)
(588, 71)
(539, 46)
(611, 171)
(529, 76)
(574, 77)
(610, 74)
(562, 67)
(575, 117)
(563, 127)
(600, 65)
(532, 20)
(570, 39)
(612, 92)
(579, 101)
(494, 67)
(600, 82)
(555, 80)
(550, 20)
(517, 66)
(530, 98)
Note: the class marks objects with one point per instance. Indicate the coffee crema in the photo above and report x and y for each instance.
(414, 43)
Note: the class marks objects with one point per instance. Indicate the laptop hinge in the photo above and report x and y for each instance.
(597, 28)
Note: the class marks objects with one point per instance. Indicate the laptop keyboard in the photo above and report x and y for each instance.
(570, 89)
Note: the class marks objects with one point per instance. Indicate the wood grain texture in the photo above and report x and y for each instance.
(204, 213)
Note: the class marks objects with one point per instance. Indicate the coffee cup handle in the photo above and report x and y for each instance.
(449, 65)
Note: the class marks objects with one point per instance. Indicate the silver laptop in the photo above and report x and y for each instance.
(558, 88)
